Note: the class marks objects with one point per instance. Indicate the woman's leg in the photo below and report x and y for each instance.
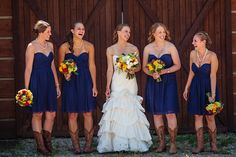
(173, 129)
(160, 131)
(212, 132)
(47, 129)
(74, 131)
(88, 131)
(199, 134)
(37, 130)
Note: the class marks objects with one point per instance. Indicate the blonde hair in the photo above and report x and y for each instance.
(204, 36)
(118, 28)
(40, 26)
(152, 30)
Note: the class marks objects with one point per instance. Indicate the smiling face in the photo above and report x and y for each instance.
(124, 33)
(46, 34)
(78, 31)
(160, 33)
(198, 43)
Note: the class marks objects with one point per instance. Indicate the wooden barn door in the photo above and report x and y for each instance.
(184, 18)
(100, 18)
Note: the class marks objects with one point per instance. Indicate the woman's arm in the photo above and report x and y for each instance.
(214, 68)
(29, 58)
(145, 61)
(55, 74)
(92, 68)
(190, 76)
(176, 61)
(61, 57)
(109, 71)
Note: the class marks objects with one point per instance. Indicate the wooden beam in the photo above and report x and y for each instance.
(194, 27)
(33, 5)
(93, 15)
(148, 11)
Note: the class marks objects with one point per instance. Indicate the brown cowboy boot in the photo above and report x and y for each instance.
(161, 135)
(75, 141)
(40, 144)
(200, 141)
(173, 134)
(89, 139)
(212, 135)
(47, 140)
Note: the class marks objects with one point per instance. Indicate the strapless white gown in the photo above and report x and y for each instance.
(123, 126)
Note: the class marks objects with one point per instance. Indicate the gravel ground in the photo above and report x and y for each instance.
(62, 146)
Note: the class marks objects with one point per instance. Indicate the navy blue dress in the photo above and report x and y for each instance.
(200, 86)
(162, 97)
(42, 84)
(77, 95)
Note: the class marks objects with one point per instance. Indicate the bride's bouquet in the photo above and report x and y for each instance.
(68, 66)
(127, 63)
(156, 66)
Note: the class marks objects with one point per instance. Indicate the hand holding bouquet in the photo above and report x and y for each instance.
(24, 97)
(155, 66)
(67, 67)
(127, 63)
(214, 107)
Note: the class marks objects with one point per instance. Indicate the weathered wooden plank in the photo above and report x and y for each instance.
(7, 109)
(7, 68)
(7, 89)
(5, 28)
(6, 8)
(6, 48)
(8, 128)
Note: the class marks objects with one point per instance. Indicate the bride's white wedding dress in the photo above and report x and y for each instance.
(123, 126)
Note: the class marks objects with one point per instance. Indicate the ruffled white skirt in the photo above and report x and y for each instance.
(124, 126)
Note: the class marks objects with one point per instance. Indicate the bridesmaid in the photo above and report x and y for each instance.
(41, 79)
(162, 97)
(202, 80)
(79, 91)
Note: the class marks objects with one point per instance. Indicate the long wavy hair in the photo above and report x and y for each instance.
(152, 30)
(118, 28)
(69, 37)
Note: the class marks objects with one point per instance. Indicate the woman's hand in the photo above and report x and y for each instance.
(156, 75)
(58, 91)
(185, 94)
(211, 99)
(108, 93)
(67, 76)
(95, 92)
(131, 71)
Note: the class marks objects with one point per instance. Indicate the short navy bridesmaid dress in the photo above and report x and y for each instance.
(42, 84)
(77, 95)
(200, 86)
(162, 97)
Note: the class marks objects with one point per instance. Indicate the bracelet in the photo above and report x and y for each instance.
(57, 84)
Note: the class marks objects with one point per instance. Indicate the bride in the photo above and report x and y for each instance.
(123, 126)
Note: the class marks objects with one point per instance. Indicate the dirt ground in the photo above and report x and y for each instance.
(26, 147)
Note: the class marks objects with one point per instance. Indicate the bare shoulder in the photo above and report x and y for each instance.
(31, 47)
(212, 54)
(110, 48)
(132, 47)
(87, 44)
(192, 53)
(64, 47)
(148, 47)
(171, 46)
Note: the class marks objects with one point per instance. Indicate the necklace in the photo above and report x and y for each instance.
(42, 45)
(201, 60)
(159, 49)
(80, 46)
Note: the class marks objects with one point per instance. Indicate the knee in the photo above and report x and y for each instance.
(72, 116)
(37, 115)
(87, 115)
(210, 119)
(171, 116)
(50, 115)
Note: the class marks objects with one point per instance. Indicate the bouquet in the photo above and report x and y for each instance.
(156, 66)
(68, 66)
(24, 97)
(127, 62)
(214, 107)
